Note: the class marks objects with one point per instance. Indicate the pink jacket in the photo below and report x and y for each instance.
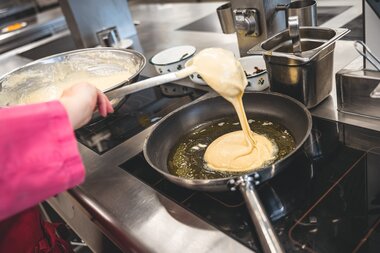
(38, 155)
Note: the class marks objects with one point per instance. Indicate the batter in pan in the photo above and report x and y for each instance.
(240, 150)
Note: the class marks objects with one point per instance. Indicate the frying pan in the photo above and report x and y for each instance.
(270, 106)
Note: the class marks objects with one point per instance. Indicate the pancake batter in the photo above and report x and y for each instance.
(240, 150)
(55, 89)
(44, 82)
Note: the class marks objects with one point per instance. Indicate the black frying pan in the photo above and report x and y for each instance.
(271, 106)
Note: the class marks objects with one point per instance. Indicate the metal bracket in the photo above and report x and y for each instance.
(247, 21)
(108, 37)
(234, 183)
(376, 92)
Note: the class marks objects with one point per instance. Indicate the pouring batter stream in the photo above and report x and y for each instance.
(240, 150)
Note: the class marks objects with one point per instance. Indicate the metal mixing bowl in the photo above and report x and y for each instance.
(40, 74)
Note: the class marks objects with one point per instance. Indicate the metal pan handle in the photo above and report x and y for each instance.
(267, 235)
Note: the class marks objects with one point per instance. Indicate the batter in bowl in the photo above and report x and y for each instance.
(55, 89)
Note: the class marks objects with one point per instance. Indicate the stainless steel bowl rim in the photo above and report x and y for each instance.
(78, 51)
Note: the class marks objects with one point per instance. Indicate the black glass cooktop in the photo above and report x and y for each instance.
(327, 200)
(135, 113)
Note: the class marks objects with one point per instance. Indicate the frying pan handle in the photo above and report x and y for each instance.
(264, 229)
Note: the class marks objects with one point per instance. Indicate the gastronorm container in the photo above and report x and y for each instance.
(358, 92)
(307, 76)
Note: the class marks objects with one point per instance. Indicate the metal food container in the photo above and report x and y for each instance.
(358, 92)
(307, 76)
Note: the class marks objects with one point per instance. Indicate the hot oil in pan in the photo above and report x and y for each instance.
(186, 158)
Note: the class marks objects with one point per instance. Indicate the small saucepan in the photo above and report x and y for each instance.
(274, 107)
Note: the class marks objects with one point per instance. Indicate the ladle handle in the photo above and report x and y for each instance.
(294, 34)
(267, 236)
(150, 82)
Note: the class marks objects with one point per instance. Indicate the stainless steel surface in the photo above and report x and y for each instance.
(225, 18)
(39, 26)
(11, 9)
(87, 17)
(41, 74)
(149, 83)
(81, 222)
(46, 3)
(8, 66)
(376, 92)
(268, 21)
(371, 26)
(356, 92)
(360, 138)
(305, 10)
(265, 231)
(108, 37)
(364, 51)
(14, 53)
(294, 34)
(129, 212)
(308, 75)
(345, 57)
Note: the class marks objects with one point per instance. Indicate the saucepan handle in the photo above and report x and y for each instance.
(267, 235)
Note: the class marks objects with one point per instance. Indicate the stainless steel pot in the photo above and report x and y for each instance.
(305, 76)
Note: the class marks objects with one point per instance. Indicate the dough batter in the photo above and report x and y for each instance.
(54, 91)
(241, 150)
(44, 82)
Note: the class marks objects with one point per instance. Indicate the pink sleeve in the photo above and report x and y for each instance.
(38, 155)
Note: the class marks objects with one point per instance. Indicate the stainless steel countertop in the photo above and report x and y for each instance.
(132, 214)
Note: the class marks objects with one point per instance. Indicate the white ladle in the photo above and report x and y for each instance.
(150, 82)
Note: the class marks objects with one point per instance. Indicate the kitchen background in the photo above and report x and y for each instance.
(24, 23)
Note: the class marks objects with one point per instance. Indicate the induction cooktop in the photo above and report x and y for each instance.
(327, 200)
(135, 113)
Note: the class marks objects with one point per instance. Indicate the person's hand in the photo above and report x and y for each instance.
(81, 100)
